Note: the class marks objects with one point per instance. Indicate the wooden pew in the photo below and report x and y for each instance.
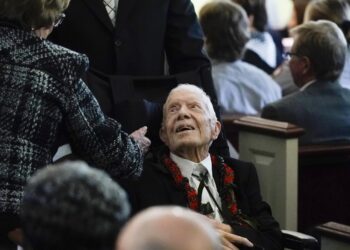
(324, 185)
(322, 173)
(273, 148)
(334, 236)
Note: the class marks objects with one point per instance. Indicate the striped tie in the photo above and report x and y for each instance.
(111, 9)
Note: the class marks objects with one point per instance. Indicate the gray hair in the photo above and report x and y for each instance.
(32, 13)
(200, 92)
(226, 29)
(337, 11)
(72, 206)
(324, 44)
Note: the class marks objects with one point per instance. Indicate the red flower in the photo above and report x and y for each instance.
(182, 182)
(234, 208)
(192, 198)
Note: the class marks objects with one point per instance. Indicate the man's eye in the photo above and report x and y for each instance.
(195, 106)
(172, 109)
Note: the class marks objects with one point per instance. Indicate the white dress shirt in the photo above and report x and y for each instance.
(187, 168)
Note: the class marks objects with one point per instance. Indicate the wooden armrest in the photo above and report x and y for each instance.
(328, 149)
(335, 230)
(268, 127)
(296, 240)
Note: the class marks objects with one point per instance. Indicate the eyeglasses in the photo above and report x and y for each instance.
(59, 20)
(288, 55)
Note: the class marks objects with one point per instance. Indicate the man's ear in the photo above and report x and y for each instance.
(216, 130)
(307, 67)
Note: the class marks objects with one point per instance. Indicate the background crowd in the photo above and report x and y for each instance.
(188, 193)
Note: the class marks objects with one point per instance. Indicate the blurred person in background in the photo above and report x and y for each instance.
(322, 106)
(337, 11)
(281, 15)
(261, 49)
(241, 88)
(71, 206)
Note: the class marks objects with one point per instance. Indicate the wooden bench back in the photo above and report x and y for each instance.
(324, 185)
(323, 175)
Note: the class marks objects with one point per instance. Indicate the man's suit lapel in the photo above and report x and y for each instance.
(216, 176)
(174, 194)
(178, 197)
(98, 8)
(225, 212)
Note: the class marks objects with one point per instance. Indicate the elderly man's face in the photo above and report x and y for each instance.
(187, 124)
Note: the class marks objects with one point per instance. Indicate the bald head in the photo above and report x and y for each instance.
(168, 228)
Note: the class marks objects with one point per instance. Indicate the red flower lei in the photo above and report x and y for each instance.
(227, 176)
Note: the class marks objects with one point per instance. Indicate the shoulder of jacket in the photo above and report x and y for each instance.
(63, 62)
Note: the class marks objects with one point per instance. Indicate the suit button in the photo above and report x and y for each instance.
(118, 43)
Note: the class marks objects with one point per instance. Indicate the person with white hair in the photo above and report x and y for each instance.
(184, 173)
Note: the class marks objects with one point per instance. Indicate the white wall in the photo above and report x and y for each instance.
(198, 4)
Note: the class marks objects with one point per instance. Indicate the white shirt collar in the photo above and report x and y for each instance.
(307, 85)
(186, 166)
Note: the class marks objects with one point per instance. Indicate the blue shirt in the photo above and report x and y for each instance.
(242, 88)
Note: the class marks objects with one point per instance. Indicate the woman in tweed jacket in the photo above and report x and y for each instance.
(41, 95)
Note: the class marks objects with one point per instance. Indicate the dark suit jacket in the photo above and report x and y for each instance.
(144, 30)
(322, 109)
(157, 187)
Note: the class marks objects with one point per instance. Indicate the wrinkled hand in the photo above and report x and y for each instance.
(141, 139)
(229, 240)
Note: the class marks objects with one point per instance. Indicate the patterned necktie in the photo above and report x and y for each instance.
(201, 174)
(111, 9)
(207, 193)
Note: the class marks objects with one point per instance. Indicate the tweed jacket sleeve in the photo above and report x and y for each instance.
(97, 138)
(41, 94)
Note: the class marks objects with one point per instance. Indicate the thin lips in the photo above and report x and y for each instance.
(184, 128)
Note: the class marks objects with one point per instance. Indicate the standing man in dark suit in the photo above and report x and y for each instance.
(322, 106)
(138, 39)
(186, 174)
(135, 45)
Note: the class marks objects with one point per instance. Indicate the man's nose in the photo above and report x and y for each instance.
(183, 112)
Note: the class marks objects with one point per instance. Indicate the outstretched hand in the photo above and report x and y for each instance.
(140, 137)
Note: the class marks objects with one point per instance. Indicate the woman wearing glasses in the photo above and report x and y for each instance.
(42, 97)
